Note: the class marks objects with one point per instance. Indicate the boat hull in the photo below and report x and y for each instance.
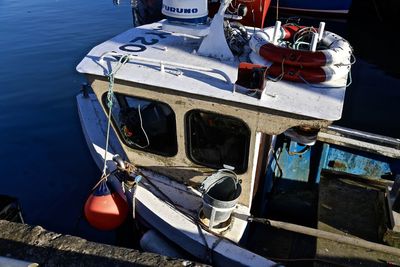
(159, 213)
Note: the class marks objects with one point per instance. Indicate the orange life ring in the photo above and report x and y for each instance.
(291, 73)
(338, 49)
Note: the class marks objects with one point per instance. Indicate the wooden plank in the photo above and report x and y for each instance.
(389, 148)
(354, 206)
(380, 184)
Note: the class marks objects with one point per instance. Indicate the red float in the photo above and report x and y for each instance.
(105, 210)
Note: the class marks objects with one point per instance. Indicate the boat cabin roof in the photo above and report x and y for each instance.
(169, 60)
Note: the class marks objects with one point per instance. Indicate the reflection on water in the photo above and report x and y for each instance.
(44, 158)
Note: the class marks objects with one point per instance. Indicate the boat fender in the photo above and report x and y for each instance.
(105, 209)
(154, 242)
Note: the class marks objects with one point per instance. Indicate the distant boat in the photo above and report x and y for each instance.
(250, 13)
(339, 7)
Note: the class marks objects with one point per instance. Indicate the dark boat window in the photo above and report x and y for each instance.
(216, 140)
(144, 124)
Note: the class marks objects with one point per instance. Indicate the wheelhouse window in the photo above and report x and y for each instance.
(216, 140)
(144, 124)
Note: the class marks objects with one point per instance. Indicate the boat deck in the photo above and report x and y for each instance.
(354, 206)
(170, 60)
(343, 204)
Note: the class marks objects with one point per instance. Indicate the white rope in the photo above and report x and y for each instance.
(144, 132)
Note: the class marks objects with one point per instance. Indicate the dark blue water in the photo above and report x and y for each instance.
(44, 160)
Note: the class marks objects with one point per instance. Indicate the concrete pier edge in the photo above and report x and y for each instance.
(37, 245)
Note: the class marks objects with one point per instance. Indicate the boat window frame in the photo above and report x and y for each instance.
(122, 97)
(188, 143)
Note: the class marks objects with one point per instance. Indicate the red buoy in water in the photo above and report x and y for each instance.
(105, 210)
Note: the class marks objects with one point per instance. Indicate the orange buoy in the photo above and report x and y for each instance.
(105, 210)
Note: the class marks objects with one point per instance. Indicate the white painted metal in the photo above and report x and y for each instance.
(277, 30)
(186, 234)
(10, 262)
(94, 127)
(185, 9)
(321, 30)
(255, 165)
(301, 99)
(194, 30)
(314, 42)
(168, 218)
(214, 44)
(162, 64)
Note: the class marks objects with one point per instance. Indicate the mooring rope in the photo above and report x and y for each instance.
(167, 200)
(110, 94)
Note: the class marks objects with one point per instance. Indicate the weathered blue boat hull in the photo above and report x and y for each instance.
(306, 166)
(337, 150)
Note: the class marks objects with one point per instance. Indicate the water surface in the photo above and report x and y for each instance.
(44, 158)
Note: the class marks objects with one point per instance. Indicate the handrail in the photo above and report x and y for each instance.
(162, 63)
(376, 138)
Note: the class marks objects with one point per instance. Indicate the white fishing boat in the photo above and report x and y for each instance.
(194, 116)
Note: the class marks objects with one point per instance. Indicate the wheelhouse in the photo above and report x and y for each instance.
(187, 137)
(184, 116)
